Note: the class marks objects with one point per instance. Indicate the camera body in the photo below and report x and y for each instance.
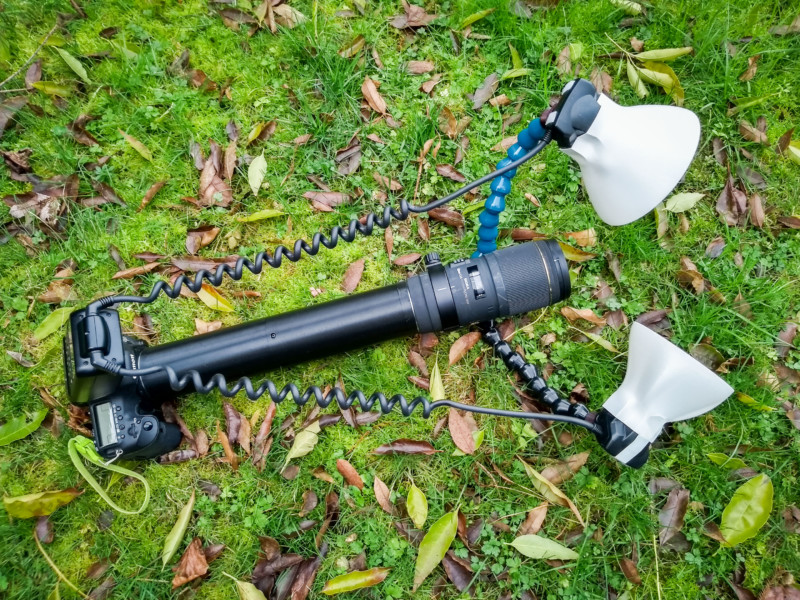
(126, 423)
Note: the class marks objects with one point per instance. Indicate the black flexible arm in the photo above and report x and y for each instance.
(349, 234)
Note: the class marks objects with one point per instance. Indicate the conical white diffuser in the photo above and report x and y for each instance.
(632, 157)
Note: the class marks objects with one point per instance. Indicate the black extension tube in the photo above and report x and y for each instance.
(508, 282)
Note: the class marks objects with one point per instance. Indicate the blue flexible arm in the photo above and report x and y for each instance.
(501, 186)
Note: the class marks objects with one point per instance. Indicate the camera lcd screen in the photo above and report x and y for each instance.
(105, 424)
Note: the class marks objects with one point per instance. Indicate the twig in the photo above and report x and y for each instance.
(14, 90)
(30, 60)
(53, 566)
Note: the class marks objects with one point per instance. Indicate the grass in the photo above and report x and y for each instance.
(137, 94)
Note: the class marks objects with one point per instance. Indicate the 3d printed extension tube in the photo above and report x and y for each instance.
(125, 382)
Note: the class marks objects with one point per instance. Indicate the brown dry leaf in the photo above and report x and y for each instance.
(447, 215)
(752, 134)
(418, 67)
(792, 413)
(229, 163)
(636, 44)
(450, 172)
(213, 191)
(718, 148)
(192, 565)
(322, 475)
(415, 360)
(405, 446)
(752, 67)
(309, 503)
(790, 222)
(352, 276)
(369, 89)
(78, 130)
(563, 62)
(150, 194)
(784, 141)
(230, 455)
(20, 359)
(550, 492)
(387, 182)
(786, 339)
(500, 100)
(574, 314)
(601, 80)
(587, 237)
(349, 473)
(534, 521)
(672, 514)
(348, 158)
(330, 199)
(415, 16)
(630, 571)
(135, 271)
(407, 259)
(33, 75)
(564, 470)
(200, 237)
(427, 86)
(461, 430)
(8, 108)
(463, 345)
(485, 91)
(388, 238)
(382, 495)
(732, 203)
(756, 210)
(715, 247)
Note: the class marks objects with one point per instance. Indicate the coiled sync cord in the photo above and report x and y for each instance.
(514, 361)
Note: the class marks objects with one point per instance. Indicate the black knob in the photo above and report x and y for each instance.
(432, 259)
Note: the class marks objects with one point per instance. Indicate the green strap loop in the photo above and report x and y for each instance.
(79, 447)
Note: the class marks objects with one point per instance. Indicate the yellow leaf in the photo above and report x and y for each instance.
(664, 54)
(575, 254)
(516, 60)
(213, 299)
(550, 491)
(600, 341)
(636, 82)
(138, 146)
(436, 385)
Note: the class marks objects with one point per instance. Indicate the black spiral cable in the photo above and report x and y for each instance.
(348, 234)
(564, 412)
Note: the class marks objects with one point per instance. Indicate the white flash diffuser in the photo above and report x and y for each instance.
(663, 384)
(631, 157)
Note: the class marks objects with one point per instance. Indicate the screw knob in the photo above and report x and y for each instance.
(432, 259)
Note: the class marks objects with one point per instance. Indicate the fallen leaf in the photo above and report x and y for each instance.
(415, 16)
(382, 495)
(78, 130)
(534, 546)
(200, 237)
(485, 91)
(369, 90)
(405, 446)
(550, 492)
(756, 206)
(256, 172)
(434, 546)
(74, 64)
(450, 172)
(349, 473)
(534, 520)
(407, 259)
(52, 323)
(564, 470)
(672, 514)
(418, 67)
(352, 276)
(748, 510)
(261, 132)
(352, 48)
(461, 430)
(304, 443)
(448, 216)
(682, 202)
(40, 504)
(192, 564)
(330, 199)
(138, 146)
(19, 427)
(707, 355)
(213, 299)
(630, 571)
(173, 540)
(752, 67)
(463, 345)
(752, 134)
(289, 17)
(575, 254)
(715, 247)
